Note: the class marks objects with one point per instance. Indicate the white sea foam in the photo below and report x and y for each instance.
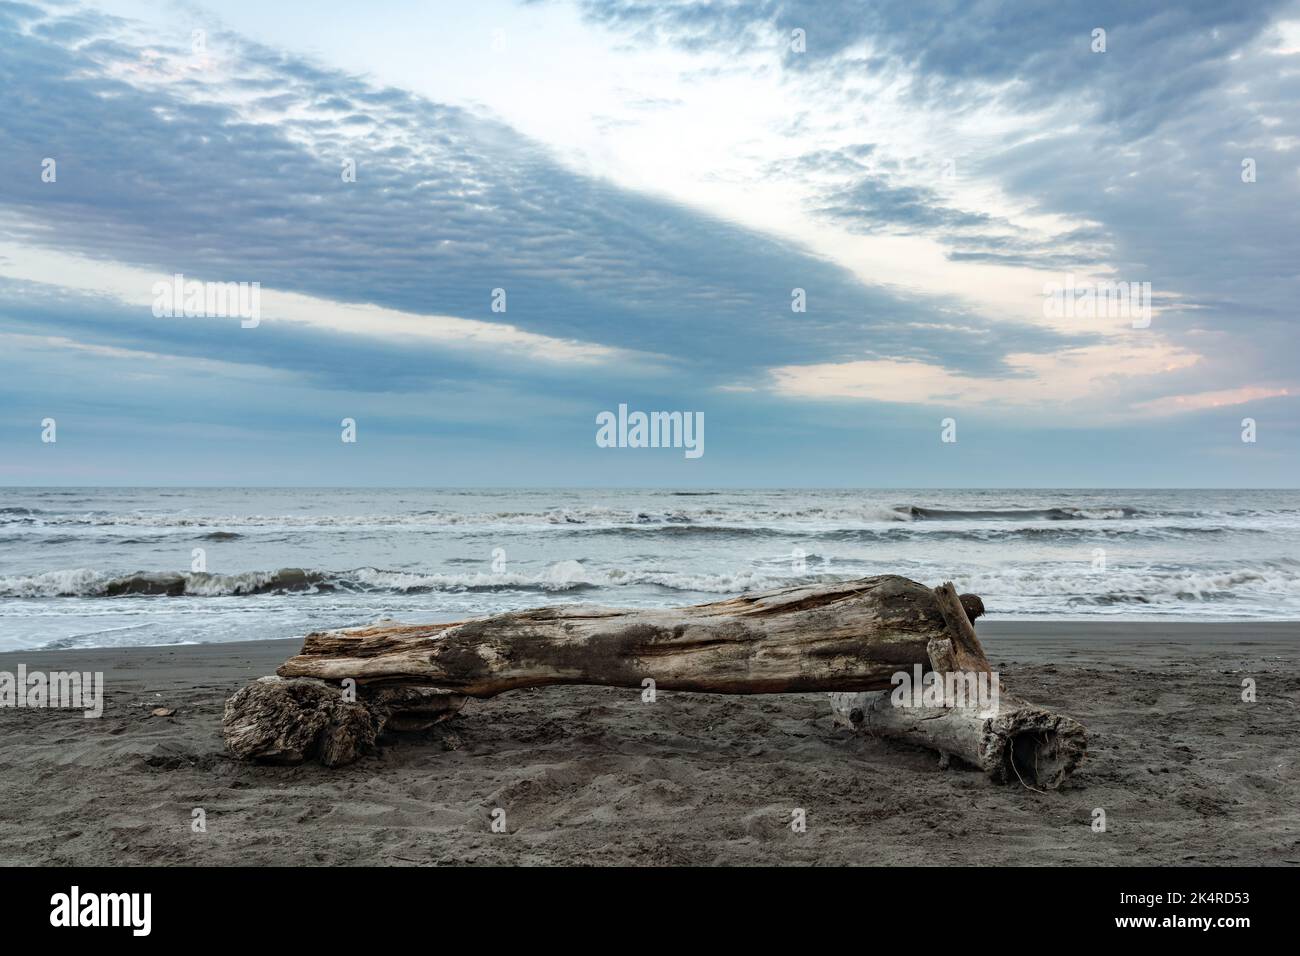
(561, 576)
(1076, 585)
(75, 566)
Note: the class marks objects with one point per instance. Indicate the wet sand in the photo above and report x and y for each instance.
(1186, 772)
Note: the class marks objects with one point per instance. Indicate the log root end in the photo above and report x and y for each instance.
(1034, 747)
(287, 721)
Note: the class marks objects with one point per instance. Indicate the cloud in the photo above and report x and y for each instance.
(1123, 165)
(1158, 58)
(1224, 398)
(225, 165)
(186, 172)
(1083, 383)
(52, 274)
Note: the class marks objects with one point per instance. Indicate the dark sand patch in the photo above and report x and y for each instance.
(1186, 772)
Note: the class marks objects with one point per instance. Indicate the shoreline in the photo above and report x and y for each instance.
(1186, 772)
(990, 628)
(1171, 631)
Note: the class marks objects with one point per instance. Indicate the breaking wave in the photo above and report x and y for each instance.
(1004, 590)
(865, 522)
(282, 561)
(561, 576)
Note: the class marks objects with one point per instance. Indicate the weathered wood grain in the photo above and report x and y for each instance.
(850, 636)
(1016, 742)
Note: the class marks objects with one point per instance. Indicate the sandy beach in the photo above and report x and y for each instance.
(1185, 771)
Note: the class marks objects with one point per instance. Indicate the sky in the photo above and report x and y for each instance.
(655, 189)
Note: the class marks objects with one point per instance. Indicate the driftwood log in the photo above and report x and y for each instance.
(1008, 738)
(849, 637)
(1016, 741)
(288, 721)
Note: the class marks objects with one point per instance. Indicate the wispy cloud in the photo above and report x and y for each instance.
(920, 179)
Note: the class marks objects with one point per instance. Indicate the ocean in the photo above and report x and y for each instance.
(96, 567)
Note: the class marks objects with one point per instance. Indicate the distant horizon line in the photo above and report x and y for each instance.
(173, 487)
